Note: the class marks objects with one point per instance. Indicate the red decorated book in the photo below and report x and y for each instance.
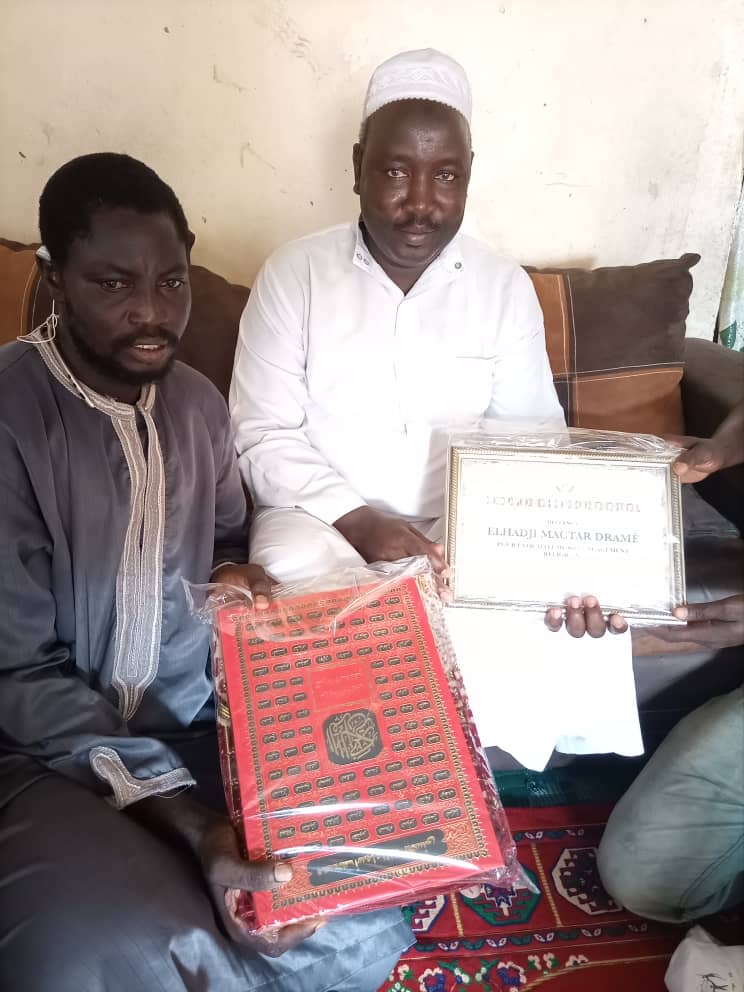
(347, 753)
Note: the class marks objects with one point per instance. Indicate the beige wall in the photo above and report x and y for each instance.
(606, 131)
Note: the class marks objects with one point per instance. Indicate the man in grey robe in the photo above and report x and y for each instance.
(118, 479)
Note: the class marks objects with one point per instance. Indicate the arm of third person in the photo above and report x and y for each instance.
(719, 624)
(702, 456)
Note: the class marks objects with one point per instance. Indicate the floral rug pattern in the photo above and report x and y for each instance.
(503, 939)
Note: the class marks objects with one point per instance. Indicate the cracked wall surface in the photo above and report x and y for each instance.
(605, 133)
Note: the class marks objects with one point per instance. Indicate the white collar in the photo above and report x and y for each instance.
(448, 264)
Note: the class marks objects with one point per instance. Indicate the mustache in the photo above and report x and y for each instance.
(408, 227)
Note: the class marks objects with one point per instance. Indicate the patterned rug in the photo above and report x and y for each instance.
(571, 936)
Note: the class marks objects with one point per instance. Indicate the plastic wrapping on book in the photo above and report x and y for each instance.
(348, 746)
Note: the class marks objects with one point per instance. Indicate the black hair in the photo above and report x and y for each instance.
(104, 179)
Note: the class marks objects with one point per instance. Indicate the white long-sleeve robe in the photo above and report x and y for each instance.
(342, 384)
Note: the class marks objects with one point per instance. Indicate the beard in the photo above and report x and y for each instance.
(108, 364)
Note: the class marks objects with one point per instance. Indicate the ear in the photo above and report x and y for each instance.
(52, 277)
(356, 158)
(190, 242)
(470, 170)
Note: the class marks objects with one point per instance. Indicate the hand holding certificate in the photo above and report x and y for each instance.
(535, 518)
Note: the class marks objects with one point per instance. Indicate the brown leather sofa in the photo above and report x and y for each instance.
(616, 341)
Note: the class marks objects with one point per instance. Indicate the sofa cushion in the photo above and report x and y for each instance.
(615, 339)
(19, 289)
(208, 343)
(615, 336)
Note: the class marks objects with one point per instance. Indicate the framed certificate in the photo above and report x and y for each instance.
(529, 525)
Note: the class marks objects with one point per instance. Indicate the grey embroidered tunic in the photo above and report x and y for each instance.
(104, 508)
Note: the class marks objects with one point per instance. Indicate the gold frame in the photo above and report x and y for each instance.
(459, 452)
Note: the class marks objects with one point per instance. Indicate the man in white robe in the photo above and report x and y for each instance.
(360, 343)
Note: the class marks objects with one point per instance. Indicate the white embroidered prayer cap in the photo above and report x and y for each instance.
(425, 74)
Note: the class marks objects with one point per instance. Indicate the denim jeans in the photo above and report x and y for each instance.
(673, 849)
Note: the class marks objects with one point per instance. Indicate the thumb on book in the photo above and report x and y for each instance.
(260, 876)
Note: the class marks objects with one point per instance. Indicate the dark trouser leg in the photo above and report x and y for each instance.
(92, 902)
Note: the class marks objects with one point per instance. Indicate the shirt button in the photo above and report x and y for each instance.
(359, 257)
(458, 265)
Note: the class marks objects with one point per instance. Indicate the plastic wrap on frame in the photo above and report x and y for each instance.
(408, 852)
(546, 507)
(506, 434)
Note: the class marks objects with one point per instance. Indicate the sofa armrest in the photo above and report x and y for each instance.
(713, 383)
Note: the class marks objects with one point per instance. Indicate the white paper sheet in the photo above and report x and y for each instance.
(701, 964)
(532, 691)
